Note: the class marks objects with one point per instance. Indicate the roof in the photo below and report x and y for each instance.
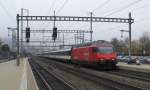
(92, 43)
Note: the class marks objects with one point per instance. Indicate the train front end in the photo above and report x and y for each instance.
(104, 54)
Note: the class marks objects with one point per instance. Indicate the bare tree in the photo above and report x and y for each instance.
(145, 42)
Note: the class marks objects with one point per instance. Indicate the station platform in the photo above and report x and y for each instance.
(14, 77)
(3, 60)
(141, 68)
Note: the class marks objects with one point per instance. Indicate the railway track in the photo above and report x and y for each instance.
(47, 80)
(40, 79)
(132, 74)
(84, 73)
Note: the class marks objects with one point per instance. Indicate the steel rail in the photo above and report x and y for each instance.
(57, 77)
(43, 79)
(95, 78)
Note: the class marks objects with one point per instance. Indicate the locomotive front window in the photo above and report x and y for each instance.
(104, 50)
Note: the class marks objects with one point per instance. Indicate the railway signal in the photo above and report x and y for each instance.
(27, 34)
(54, 35)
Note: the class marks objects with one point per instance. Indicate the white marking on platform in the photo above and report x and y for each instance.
(14, 77)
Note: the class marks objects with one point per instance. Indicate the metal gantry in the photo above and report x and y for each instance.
(37, 41)
(79, 32)
(59, 31)
(74, 18)
(90, 19)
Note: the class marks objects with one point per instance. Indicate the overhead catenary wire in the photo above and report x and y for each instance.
(138, 21)
(52, 6)
(63, 5)
(53, 3)
(127, 6)
(139, 8)
(143, 6)
(123, 8)
(6, 11)
(112, 9)
(101, 5)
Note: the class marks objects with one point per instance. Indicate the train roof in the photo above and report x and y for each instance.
(55, 51)
(93, 43)
(61, 50)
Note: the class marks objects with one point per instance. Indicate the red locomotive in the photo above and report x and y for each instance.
(97, 53)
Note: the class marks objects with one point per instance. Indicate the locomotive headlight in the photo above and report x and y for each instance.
(113, 59)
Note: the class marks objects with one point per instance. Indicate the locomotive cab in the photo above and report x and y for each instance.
(104, 54)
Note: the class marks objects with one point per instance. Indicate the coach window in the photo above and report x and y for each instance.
(94, 49)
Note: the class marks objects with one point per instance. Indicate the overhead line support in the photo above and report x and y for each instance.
(130, 22)
(18, 53)
(59, 31)
(73, 18)
(91, 31)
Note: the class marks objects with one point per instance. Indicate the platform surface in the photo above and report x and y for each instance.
(141, 67)
(4, 60)
(14, 77)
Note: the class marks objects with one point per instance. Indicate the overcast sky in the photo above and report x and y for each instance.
(140, 10)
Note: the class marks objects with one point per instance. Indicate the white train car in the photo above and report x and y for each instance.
(64, 55)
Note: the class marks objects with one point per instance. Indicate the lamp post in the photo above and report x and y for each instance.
(129, 41)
